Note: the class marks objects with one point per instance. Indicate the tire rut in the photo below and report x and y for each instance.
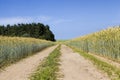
(75, 67)
(22, 69)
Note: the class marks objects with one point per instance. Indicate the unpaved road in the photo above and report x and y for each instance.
(106, 60)
(75, 67)
(22, 69)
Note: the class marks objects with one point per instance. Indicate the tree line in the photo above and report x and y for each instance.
(34, 30)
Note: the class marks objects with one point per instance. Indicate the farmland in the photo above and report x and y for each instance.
(13, 49)
(60, 40)
(105, 43)
(58, 62)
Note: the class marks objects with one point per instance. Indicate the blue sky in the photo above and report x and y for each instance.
(67, 18)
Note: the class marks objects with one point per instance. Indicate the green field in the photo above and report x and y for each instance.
(105, 43)
(13, 49)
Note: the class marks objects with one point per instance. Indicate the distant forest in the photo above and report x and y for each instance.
(34, 30)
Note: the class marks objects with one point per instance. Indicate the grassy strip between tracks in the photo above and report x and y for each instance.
(48, 69)
(112, 71)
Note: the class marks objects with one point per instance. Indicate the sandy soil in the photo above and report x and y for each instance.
(22, 69)
(75, 67)
(107, 60)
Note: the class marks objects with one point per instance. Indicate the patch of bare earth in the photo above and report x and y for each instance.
(75, 67)
(106, 60)
(22, 69)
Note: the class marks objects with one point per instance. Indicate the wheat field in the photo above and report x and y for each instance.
(13, 49)
(105, 43)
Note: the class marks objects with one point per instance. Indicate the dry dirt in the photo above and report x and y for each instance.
(22, 69)
(75, 67)
(107, 60)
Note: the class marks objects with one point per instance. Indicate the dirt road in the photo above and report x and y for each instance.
(22, 69)
(109, 61)
(75, 67)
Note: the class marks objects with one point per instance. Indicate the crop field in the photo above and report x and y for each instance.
(57, 62)
(13, 49)
(105, 43)
(60, 40)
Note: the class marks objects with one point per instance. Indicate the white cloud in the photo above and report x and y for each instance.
(42, 19)
(15, 20)
(59, 21)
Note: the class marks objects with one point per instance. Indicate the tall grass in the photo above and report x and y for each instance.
(105, 43)
(13, 49)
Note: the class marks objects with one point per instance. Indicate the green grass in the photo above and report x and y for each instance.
(49, 67)
(112, 71)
